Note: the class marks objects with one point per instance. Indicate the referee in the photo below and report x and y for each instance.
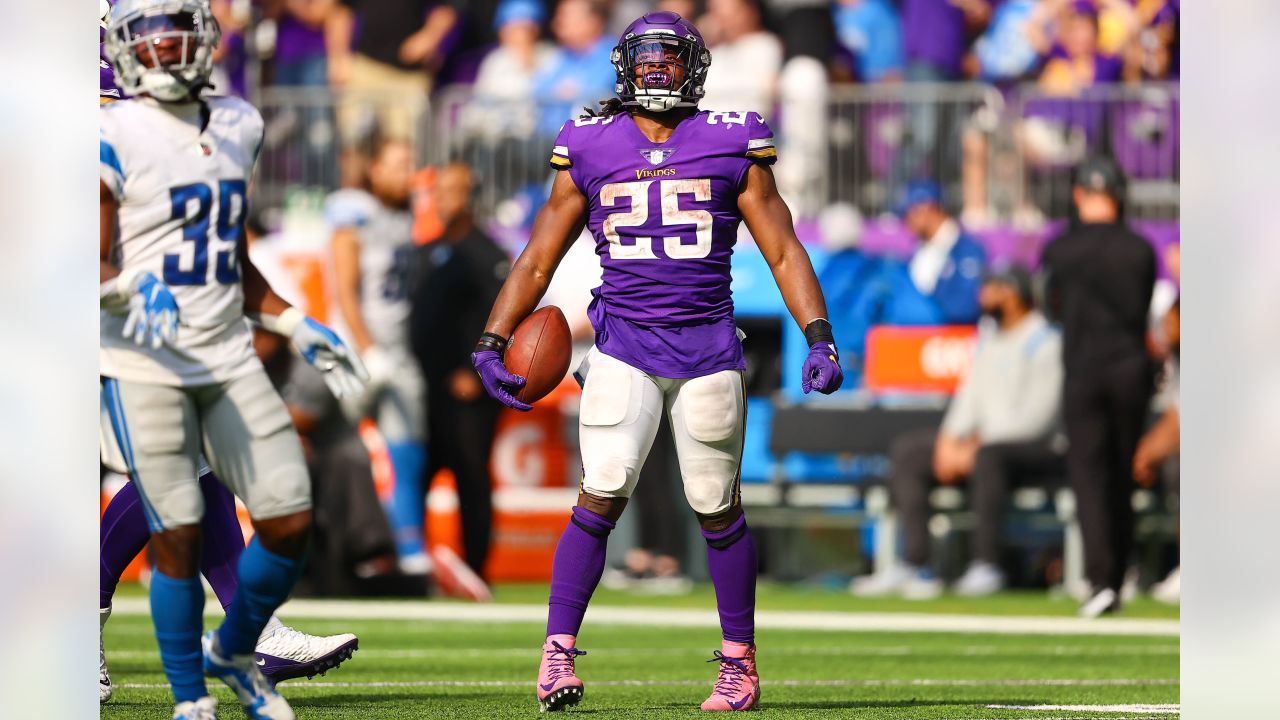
(1100, 275)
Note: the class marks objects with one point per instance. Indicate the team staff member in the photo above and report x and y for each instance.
(1100, 278)
(459, 277)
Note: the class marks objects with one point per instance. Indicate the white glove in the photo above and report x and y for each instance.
(152, 312)
(381, 364)
(322, 348)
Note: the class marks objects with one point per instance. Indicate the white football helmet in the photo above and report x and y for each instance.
(162, 48)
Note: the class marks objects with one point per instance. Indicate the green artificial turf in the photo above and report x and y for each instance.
(404, 668)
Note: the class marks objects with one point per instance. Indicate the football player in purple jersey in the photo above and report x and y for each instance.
(662, 186)
(282, 652)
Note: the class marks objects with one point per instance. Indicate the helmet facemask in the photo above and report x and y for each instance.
(659, 71)
(162, 49)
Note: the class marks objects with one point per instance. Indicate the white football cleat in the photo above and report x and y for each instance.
(1169, 590)
(255, 692)
(284, 653)
(1103, 602)
(206, 708)
(981, 579)
(104, 678)
(881, 583)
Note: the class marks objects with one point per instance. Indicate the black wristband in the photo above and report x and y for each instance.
(818, 331)
(491, 341)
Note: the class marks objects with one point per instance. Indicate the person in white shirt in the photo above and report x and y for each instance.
(1002, 428)
(748, 58)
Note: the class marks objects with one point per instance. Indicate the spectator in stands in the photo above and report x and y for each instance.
(947, 268)
(458, 278)
(1000, 429)
(300, 57)
(1066, 33)
(1004, 52)
(502, 97)
(231, 56)
(745, 58)
(936, 42)
(872, 31)
(1154, 53)
(389, 51)
(1157, 456)
(581, 73)
(1100, 275)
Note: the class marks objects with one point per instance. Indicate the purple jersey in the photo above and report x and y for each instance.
(665, 218)
(107, 90)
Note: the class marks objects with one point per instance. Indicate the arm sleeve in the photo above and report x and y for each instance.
(560, 157)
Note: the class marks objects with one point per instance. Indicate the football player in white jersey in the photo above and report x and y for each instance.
(373, 254)
(177, 358)
(282, 652)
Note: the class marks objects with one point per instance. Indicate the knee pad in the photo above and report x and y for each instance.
(709, 484)
(712, 407)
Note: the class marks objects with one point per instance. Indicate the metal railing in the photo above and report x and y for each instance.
(1138, 125)
(998, 154)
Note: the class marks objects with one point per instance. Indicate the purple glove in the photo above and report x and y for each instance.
(497, 379)
(822, 369)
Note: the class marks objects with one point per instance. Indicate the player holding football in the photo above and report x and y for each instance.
(662, 187)
(282, 652)
(179, 372)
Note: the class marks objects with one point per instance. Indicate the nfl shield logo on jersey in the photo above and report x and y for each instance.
(657, 156)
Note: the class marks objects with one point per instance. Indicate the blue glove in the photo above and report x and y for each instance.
(324, 350)
(822, 367)
(152, 312)
(498, 381)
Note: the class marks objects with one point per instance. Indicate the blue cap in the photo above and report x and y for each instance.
(519, 10)
(918, 192)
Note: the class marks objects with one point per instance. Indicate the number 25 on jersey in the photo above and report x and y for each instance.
(669, 192)
(192, 204)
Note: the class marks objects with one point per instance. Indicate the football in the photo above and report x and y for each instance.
(539, 352)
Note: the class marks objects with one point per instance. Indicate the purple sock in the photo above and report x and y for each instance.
(122, 535)
(576, 570)
(731, 559)
(222, 540)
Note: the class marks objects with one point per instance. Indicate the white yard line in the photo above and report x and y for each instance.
(672, 617)
(1138, 709)
(887, 651)
(295, 685)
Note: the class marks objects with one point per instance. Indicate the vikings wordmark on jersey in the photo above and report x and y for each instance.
(182, 197)
(665, 219)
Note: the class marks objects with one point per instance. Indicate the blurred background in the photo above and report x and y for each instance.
(928, 150)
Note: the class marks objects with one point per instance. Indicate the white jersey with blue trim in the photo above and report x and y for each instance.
(386, 261)
(181, 183)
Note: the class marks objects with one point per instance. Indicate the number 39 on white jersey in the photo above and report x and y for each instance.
(182, 198)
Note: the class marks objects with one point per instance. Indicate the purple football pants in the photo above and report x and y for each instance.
(124, 532)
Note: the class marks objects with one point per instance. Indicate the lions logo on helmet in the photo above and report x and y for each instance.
(162, 48)
(661, 63)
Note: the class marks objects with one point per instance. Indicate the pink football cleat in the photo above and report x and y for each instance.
(558, 686)
(738, 686)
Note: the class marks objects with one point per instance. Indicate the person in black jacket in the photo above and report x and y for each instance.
(458, 279)
(1100, 275)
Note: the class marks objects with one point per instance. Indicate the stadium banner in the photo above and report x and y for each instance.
(919, 359)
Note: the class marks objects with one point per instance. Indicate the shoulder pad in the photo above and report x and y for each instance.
(349, 208)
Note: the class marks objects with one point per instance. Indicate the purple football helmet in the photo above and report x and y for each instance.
(661, 63)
